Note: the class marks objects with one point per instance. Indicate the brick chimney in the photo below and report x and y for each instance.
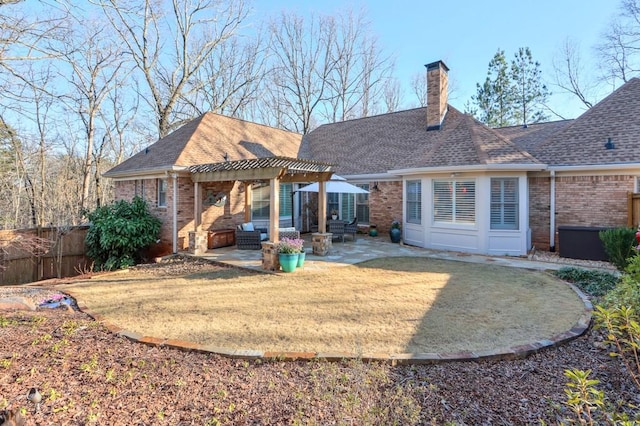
(437, 94)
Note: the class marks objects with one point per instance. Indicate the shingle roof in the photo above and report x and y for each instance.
(207, 139)
(529, 137)
(582, 142)
(400, 140)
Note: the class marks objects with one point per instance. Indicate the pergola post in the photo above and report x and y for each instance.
(274, 210)
(322, 206)
(248, 199)
(197, 206)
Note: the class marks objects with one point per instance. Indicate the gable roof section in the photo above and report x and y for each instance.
(583, 141)
(207, 139)
(400, 140)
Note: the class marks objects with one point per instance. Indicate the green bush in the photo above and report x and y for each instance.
(596, 283)
(619, 244)
(118, 231)
(627, 292)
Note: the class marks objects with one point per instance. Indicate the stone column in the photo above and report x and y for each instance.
(198, 242)
(270, 260)
(321, 243)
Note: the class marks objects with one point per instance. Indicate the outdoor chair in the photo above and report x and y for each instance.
(250, 238)
(289, 233)
(351, 228)
(336, 227)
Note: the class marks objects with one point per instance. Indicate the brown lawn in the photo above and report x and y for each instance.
(389, 305)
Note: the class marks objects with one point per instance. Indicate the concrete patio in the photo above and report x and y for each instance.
(366, 248)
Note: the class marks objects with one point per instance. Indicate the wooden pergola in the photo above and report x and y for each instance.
(275, 170)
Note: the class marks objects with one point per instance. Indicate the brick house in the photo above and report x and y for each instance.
(454, 183)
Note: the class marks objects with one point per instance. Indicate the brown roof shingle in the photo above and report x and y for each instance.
(400, 140)
(207, 139)
(582, 142)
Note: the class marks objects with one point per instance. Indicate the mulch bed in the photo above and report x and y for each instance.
(89, 376)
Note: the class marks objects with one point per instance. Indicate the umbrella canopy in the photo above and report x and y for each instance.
(336, 184)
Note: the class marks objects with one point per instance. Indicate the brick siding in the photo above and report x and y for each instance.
(385, 204)
(580, 201)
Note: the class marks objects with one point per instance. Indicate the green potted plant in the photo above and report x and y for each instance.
(395, 233)
(288, 252)
(334, 214)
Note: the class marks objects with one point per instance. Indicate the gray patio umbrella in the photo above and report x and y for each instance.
(337, 184)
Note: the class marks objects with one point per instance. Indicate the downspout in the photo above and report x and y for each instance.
(552, 212)
(175, 212)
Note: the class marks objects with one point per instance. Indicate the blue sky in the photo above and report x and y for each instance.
(466, 34)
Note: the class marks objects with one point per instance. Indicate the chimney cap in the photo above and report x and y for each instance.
(436, 64)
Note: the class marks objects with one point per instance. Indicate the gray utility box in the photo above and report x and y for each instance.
(581, 242)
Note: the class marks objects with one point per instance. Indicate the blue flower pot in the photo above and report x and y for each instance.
(288, 261)
(301, 257)
(395, 234)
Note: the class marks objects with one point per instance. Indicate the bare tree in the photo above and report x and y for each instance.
(620, 48)
(570, 74)
(229, 80)
(170, 46)
(92, 67)
(419, 88)
(302, 67)
(392, 95)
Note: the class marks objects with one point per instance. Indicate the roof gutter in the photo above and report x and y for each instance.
(595, 167)
(372, 176)
(473, 168)
(133, 174)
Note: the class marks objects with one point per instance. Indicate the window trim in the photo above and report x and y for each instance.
(418, 202)
(455, 207)
(502, 204)
(162, 193)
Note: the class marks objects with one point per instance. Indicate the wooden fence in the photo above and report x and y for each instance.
(29, 255)
(633, 210)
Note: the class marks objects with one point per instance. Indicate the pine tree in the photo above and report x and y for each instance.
(512, 93)
(494, 99)
(530, 91)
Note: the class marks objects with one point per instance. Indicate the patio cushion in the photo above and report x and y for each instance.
(248, 226)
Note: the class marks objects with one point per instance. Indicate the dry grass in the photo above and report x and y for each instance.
(389, 305)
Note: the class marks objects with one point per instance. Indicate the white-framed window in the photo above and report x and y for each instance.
(260, 203)
(414, 201)
(362, 204)
(162, 193)
(504, 203)
(454, 201)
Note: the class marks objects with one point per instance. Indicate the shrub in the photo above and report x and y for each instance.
(118, 231)
(596, 283)
(623, 333)
(619, 244)
(627, 292)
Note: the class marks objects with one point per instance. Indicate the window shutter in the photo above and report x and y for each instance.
(414, 201)
(504, 203)
(443, 201)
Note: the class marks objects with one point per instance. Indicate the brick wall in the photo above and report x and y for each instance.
(592, 200)
(539, 204)
(580, 201)
(385, 204)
